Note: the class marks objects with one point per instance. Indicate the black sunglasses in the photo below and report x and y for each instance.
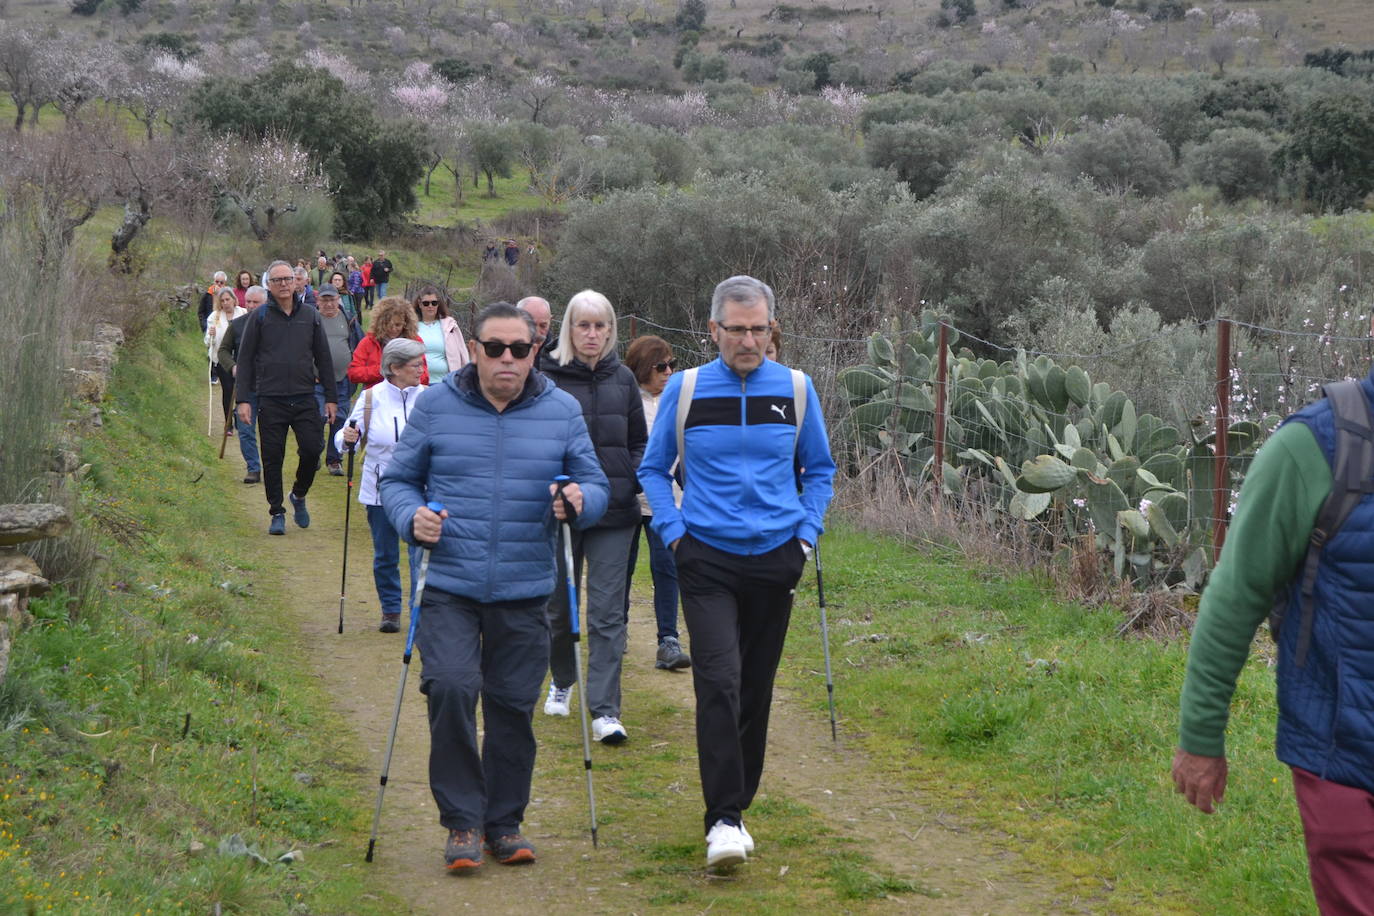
(494, 348)
(664, 367)
(429, 301)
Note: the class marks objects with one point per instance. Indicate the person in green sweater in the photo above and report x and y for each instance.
(1326, 731)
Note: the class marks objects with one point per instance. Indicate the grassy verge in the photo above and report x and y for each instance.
(973, 684)
(170, 715)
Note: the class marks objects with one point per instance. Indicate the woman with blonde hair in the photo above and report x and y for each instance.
(394, 317)
(227, 308)
(585, 365)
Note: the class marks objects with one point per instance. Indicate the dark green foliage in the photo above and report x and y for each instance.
(921, 154)
(1335, 59)
(1328, 150)
(1169, 11)
(1119, 154)
(455, 70)
(699, 68)
(129, 6)
(372, 169)
(492, 147)
(1106, 3)
(1238, 160)
(819, 65)
(85, 7)
(961, 10)
(1244, 93)
(1064, 65)
(180, 46)
(691, 16)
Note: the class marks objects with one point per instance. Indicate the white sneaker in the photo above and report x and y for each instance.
(557, 703)
(748, 840)
(725, 845)
(608, 730)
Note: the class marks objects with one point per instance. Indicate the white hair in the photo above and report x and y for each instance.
(588, 303)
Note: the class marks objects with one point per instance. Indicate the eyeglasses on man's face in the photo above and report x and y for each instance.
(664, 367)
(286, 279)
(494, 348)
(740, 331)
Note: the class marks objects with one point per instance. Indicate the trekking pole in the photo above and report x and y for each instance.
(562, 480)
(825, 642)
(228, 423)
(348, 507)
(401, 688)
(210, 399)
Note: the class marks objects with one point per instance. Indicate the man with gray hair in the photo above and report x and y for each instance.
(538, 309)
(740, 538)
(283, 353)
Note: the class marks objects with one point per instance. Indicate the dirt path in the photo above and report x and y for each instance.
(909, 836)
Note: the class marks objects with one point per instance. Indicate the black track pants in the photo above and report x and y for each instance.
(737, 609)
(277, 416)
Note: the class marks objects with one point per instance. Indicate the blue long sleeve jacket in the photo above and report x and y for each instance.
(492, 471)
(740, 467)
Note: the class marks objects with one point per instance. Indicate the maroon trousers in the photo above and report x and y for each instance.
(1338, 824)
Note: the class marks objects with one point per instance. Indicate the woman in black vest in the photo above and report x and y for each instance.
(585, 365)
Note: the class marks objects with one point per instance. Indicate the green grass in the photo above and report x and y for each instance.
(978, 685)
(440, 209)
(108, 820)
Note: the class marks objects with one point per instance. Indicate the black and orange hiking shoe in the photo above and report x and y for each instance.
(463, 849)
(510, 849)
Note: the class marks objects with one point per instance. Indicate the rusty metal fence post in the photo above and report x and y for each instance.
(1221, 492)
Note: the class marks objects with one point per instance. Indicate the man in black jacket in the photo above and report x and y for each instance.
(381, 273)
(282, 354)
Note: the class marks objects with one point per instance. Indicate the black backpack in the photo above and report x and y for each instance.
(1351, 479)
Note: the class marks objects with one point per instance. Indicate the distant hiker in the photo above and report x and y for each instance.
(487, 443)
(512, 252)
(321, 271)
(369, 284)
(382, 269)
(380, 415)
(395, 317)
(242, 282)
(302, 287)
(282, 354)
(1288, 551)
(740, 539)
(490, 253)
(207, 299)
(651, 360)
(355, 286)
(254, 298)
(226, 310)
(344, 334)
(445, 349)
(538, 309)
(585, 365)
(340, 282)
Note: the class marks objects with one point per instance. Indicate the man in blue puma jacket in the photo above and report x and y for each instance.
(740, 539)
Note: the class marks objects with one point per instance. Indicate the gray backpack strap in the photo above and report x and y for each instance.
(684, 406)
(1352, 479)
(798, 402)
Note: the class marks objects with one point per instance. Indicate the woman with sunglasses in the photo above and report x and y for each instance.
(585, 365)
(651, 360)
(445, 350)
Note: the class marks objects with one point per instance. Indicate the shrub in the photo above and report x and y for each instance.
(922, 155)
(1239, 161)
(1122, 153)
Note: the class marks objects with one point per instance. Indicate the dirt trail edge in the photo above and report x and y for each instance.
(912, 836)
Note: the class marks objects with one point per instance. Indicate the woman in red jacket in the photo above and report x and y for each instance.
(393, 318)
(369, 286)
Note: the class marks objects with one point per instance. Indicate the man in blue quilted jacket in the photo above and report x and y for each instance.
(740, 539)
(487, 443)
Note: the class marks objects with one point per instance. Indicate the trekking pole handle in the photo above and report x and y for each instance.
(561, 481)
(352, 424)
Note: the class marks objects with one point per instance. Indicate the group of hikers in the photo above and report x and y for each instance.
(725, 468)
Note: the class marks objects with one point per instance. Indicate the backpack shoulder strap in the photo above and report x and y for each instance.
(684, 406)
(367, 417)
(1352, 477)
(798, 402)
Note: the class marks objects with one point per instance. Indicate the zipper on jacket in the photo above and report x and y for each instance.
(744, 458)
(492, 543)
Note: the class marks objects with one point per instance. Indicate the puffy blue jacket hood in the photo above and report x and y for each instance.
(492, 471)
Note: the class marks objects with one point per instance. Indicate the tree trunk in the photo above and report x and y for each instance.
(429, 173)
(134, 221)
(491, 186)
(19, 116)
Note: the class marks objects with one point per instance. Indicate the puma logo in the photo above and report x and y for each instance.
(781, 409)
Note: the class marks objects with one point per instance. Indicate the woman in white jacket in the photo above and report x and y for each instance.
(227, 308)
(378, 418)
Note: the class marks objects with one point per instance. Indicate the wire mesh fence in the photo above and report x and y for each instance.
(1138, 449)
